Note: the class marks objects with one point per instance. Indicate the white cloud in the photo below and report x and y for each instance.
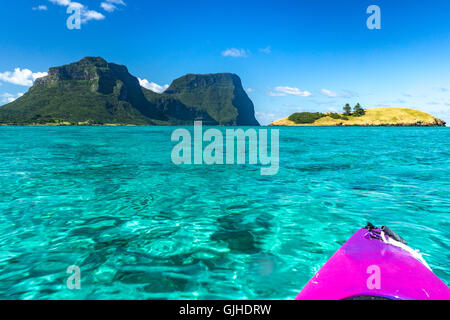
(152, 86)
(37, 75)
(8, 97)
(266, 50)
(121, 2)
(249, 90)
(110, 5)
(267, 117)
(40, 8)
(24, 77)
(285, 91)
(86, 14)
(333, 94)
(235, 53)
(61, 2)
(329, 93)
(277, 94)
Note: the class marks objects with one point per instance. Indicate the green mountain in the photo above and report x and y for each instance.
(219, 96)
(93, 91)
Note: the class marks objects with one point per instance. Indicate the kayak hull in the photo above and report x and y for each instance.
(365, 266)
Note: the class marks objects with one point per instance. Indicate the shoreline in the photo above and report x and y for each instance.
(191, 125)
(358, 125)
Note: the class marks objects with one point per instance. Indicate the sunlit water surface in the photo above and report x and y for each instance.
(110, 201)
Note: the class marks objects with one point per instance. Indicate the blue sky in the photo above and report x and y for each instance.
(291, 55)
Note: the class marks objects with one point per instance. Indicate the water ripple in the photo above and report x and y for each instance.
(110, 201)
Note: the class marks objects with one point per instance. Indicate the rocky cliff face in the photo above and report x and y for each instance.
(85, 69)
(217, 98)
(94, 91)
(104, 78)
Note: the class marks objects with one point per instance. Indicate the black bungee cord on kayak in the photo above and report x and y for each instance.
(376, 234)
(393, 235)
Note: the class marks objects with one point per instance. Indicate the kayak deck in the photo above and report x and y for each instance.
(365, 266)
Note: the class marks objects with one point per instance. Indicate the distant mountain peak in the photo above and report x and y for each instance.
(94, 60)
(88, 68)
(220, 94)
(192, 81)
(94, 91)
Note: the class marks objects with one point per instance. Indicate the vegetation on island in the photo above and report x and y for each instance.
(95, 92)
(311, 117)
(359, 116)
(306, 117)
(358, 111)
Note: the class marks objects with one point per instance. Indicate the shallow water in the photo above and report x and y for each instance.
(110, 201)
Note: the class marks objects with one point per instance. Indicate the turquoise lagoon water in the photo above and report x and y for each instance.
(110, 201)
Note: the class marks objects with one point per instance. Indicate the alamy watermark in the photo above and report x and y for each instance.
(220, 150)
(74, 20)
(374, 280)
(74, 280)
(374, 20)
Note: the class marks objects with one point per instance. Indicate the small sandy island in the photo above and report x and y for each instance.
(373, 117)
